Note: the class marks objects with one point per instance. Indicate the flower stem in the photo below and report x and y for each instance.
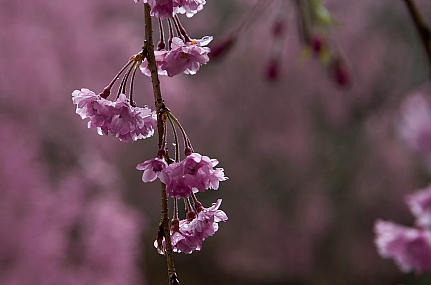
(421, 27)
(161, 119)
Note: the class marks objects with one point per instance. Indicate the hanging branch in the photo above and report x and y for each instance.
(161, 120)
(421, 27)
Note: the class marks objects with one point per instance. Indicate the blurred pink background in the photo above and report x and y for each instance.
(311, 164)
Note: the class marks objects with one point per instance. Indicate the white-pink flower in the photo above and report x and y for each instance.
(206, 223)
(188, 7)
(188, 236)
(409, 247)
(420, 206)
(152, 168)
(195, 173)
(161, 9)
(160, 58)
(186, 57)
(119, 118)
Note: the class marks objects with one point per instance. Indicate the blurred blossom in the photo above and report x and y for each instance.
(409, 247)
(61, 232)
(415, 124)
(420, 206)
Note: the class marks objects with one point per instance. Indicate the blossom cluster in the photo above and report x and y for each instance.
(409, 247)
(120, 118)
(163, 9)
(182, 57)
(187, 236)
(195, 173)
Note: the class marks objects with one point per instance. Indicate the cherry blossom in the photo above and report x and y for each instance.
(195, 173)
(420, 206)
(189, 7)
(187, 236)
(409, 247)
(160, 57)
(186, 57)
(126, 122)
(151, 168)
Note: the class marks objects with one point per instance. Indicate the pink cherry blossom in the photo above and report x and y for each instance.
(409, 247)
(132, 123)
(119, 118)
(195, 173)
(160, 58)
(189, 235)
(161, 9)
(182, 238)
(420, 206)
(151, 168)
(90, 105)
(188, 7)
(186, 57)
(206, 223)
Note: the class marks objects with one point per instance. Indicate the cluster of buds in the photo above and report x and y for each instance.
(315, 25)
(314, 29)
(409, 247)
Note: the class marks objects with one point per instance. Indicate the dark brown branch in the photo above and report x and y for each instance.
(161, 120)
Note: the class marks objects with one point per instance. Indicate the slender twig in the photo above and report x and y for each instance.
(132, 83)
(421, 27)
(177, 147)
(161, 119)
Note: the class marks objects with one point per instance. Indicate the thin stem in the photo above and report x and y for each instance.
(177, 148)
(132, 81)
(421, 27)
(175, 208)
(182, 30)
(119, 73)
(187, 142)
(171, 33)
(122, 88)
(180, 35)
(161, 118)
(161, 45)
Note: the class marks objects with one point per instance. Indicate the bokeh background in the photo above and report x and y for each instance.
(311, 164)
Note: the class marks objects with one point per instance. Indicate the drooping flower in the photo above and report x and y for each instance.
(132, 123)
(187, 236)
(160, 58)
(195, 173)
(206, 223)
(162, 9)
(151, 168)
(188, 7)
(409, 247)
(126, 122)
(420, 206)
(186, 57)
